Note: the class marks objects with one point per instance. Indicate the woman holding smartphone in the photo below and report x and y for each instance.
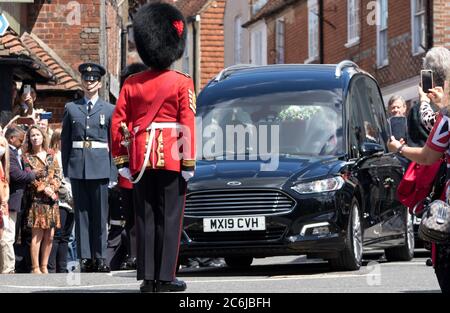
(43, 216)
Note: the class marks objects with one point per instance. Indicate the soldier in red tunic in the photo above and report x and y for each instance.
(153, 143)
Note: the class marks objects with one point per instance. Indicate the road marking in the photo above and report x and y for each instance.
(266, 279)
(68, 287)
(282, 278)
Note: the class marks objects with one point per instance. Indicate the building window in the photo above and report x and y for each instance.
(353, 23)
(419, 32)
(313, 30)
(279, 38)
(382, 34)
(237, 40)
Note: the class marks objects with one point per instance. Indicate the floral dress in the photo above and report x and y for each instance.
(43, 211)
(4, 194)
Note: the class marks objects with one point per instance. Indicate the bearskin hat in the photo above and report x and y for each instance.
(159, 34)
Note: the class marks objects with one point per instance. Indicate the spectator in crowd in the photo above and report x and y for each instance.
(25, 113)
(19, 179)
(436, 146)
(43, 124)
(422, 116)
(43, 216)
(4, 195)
(397, 106)
(58, 257)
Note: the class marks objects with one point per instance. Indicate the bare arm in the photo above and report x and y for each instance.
(424, 155)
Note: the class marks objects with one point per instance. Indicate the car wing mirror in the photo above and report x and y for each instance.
(371, 149)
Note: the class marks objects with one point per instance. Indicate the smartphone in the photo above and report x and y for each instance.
(398, 127)
(427, 80)
(27, 89)
(45, 115)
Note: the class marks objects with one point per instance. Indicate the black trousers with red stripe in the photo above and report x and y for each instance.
(159, 203)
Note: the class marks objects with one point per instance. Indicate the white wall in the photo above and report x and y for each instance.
(233, 9)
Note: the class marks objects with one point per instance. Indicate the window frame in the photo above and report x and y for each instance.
(416, 46)
(238, 39)
(313, 31)
(353, 23)
(280, 40)
(382, 32)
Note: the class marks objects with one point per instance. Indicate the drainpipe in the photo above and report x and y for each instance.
(430, 29)
(102, 50)
(321, 33)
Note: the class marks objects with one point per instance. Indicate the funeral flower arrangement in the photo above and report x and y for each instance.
(295, 113)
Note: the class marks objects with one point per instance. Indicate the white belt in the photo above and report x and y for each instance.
(89, 145)
(152, 128)
(117, 223)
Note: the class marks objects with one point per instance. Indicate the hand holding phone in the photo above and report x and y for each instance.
(27, 90)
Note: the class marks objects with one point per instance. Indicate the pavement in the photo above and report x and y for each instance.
(269, 275)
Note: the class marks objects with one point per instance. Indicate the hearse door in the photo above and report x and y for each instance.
(366, 172)
(390, 170)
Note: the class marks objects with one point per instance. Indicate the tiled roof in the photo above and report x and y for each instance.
(271, 7)
(66, 78)
(14, 51)
(11, 45)
(190, 8)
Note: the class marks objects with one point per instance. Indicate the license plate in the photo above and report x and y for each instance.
(227, 224)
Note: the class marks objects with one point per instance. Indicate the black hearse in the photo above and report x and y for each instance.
(318, 182)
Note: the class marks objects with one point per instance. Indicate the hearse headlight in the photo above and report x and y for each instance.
(324, 185)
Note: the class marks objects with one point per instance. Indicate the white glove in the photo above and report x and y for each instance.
(112, 184)
(125, 173)
(187, 175)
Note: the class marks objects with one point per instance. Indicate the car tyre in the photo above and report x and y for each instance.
(350, 259)
(239, 261)
(405, 252)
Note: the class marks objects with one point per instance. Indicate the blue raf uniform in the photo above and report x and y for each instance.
(87, 162)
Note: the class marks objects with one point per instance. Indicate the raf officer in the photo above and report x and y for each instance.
(87, 162)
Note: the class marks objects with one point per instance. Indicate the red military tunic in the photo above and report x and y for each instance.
(172, 149)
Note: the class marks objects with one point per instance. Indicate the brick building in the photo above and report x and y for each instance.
(386, 38)
(67, 33)
(204, 56)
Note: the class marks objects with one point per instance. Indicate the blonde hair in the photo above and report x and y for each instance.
(5, 158)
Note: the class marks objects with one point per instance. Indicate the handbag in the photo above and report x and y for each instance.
(435, 224)
(418, 182)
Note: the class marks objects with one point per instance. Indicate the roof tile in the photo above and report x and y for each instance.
(66, 81)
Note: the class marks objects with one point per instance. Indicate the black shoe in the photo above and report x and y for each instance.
(168, 286)
(101, 267)
(148, 286)
(86, 266)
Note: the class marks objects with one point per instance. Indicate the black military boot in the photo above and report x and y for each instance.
(101, 267)
(148, 286)
(170, 286)
(86, 266)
